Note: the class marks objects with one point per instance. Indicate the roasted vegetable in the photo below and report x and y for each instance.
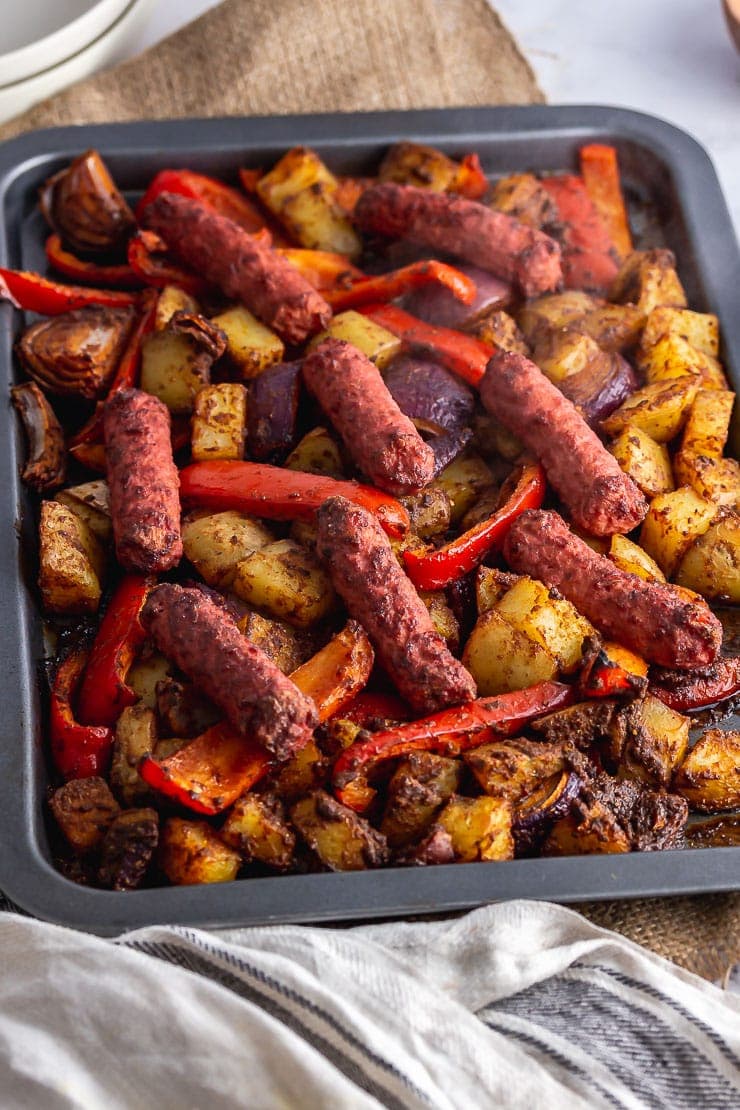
(76, 353)
(711, 565)
(84, 809)
(215, 543)
(709, 777)
(250, 345)
(127, 849)
(82, 203)
(479, 828)
(47, 460)
(257, 828)
(219, 420)
(341, 839)
(286, 580)
(191, 852)
(71, 562)
(176, 361)
(419, 787)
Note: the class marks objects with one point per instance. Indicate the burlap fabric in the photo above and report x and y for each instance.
(279, 56)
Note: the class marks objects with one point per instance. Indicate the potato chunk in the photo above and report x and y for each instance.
(648, 279)
(250, 345)
(192, 852)
(649, 741)
(709, 777)
(173, 369)
(673, 357)
(550, 621)
(415, 164)
(711, 565)
(84, 808)
(256, 827)
(700, 329)
(218, 422)
(511, 769)
(646, 462)
(502, 658)
(379, 344)
(630, 557)
(660, 409)
(136, 736)
(286, 580)
(480, 828)
(71, 561)
(463, 481)
(91, 502)
(341, 839)
(128, 847)
(215, 543)
(672, 524)
(317, 453)
(420, 786)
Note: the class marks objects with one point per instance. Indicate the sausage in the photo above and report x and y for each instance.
(143, 481)
(244, 266)
(477, 234)
(203, 639)
(383, 442)
(601, 498)
(655, 620)
(377, 593)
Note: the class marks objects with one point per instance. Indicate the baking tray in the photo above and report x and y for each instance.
(675, 199)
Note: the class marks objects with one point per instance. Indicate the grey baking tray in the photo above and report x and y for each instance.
(675, 199)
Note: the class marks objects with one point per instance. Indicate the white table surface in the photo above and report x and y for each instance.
(672, 58)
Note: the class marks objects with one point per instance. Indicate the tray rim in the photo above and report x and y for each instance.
(29, 879)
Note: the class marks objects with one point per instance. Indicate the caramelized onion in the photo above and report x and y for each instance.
(46, 464)
(76, 353)
(84, 206)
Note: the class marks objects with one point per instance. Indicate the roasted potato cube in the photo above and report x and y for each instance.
(341, 839)
(652, 741)
(503, 658)
(136, 736)
(443, 619)
(420, 786)
(300, 191)
(511, 769)
(502, 331)
(628, 556)
(71, 561)
(463, 481)
(711, 564)
(84, 808)
(556, 310)
(317, 453)
(480, 828)
(559, 354)
(250, 345)
(646, 462)
(429, 512)
(490, 587)
(127, 849)
(192, 852)
(614, 326)
(91, 502)
(415, 164)
(594, 830)
(493, 440)
(218, 422)
(215, 543)
(304, 772)
(660, 409)
(716, 479)
(648, 279)
(708, 424)
(673, 522)
(173, 299)
(183, 711)
(286, 646)
(709, 777)
(673, 357)
(145, 673)
(700, 329)
(524, 197)
(552, 622)
(287, 581)
(257, 828)
(379, 344)
(173, 369)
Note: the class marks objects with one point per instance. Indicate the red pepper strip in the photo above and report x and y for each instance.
(333, 676)
(79, 751)
(104, 693)
(603, 678)
(210, 772)
(470, 182)
(216, 195)
(278, 494)
(37, 294)
(325, 270)
(450, 732)
(386, 287)
(686, 691)
(600, 171)
(143, 249)
(67, 263)
(249, 178)
(434, 570)
(367, 707)
(349, 190)
(464, 355)
(589, 259)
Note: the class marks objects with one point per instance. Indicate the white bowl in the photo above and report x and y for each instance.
(38, 34)
(108, 46)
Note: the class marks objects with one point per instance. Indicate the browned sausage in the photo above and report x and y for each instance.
(477, 234)
(242, 265)
(377, 593)
(143, 481)
(204, 641)
(601, 498)
(382, 441)
(654, 620)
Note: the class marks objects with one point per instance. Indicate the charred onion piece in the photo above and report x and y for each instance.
(207, 339)
(84, 206)
(535, 813)
(47, 458)
(76, 353)
(598, 390)
(424, 390)
(272, 412)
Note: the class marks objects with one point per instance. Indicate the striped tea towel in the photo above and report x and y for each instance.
(520, 1004)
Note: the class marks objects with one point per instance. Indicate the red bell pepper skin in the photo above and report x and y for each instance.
(450, 732)
(143, 249)
(325, 270)
(386, 287)
(471, 182)
(210, 772)
(603, 678)
(214, 194)
(278, 494)
(104, 693)
(119, 276)
(437, 569)
(463, 354)
(35, 293)
(78, 751)
(369, 706)
(600, 172)
(589, 259)
(688, 692)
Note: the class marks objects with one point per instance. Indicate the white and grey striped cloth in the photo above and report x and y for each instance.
(520, 1004)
